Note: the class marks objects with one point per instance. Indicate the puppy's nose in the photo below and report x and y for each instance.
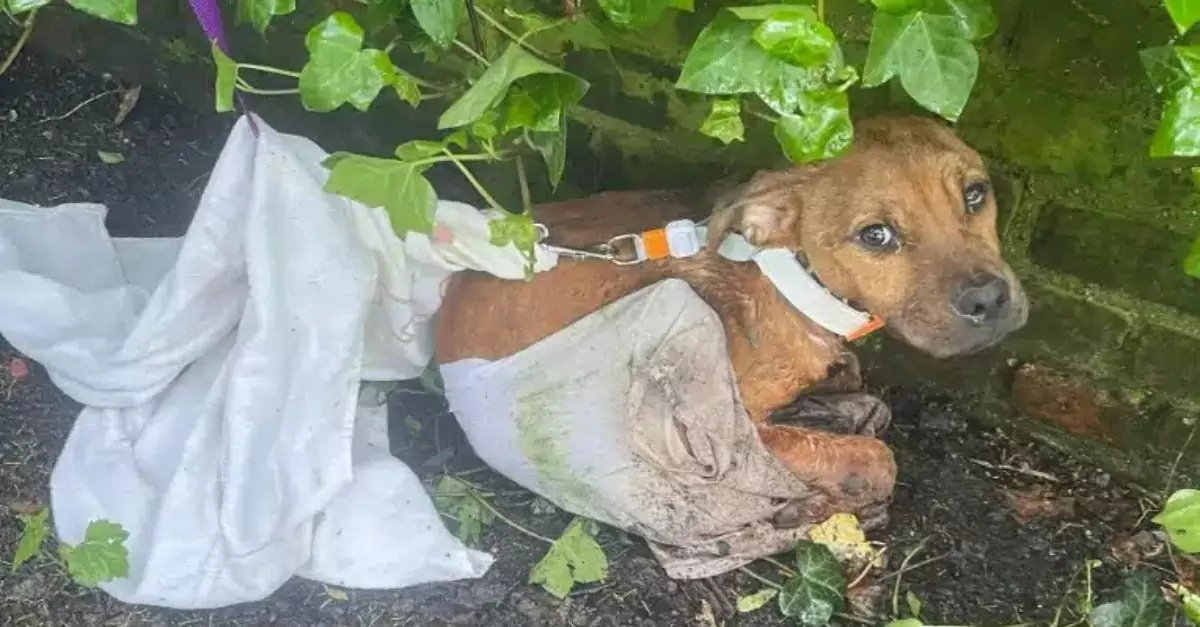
(981, 299)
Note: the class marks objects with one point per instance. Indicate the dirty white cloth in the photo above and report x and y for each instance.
(631, 416)
(220, 374)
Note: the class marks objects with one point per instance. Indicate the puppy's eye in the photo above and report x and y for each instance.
(878, 237)
(975, 196)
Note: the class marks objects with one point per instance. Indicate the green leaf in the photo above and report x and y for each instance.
(399, 187)
(458, 500)
(33, 534)
(110, 158)
(634, 13)
(406, 87)
(226, 81)
(512, 65)
(1181, 518)
(517, 229)
(380, 14)
(101, 557)
(759, 12)
(752, 602)
(936, 62)
(974, 18)
(726, 60)
(1191, 603)
(683, 5)
(1141, 605)
(584, 34)
(906, 622)
(485, 127)
(1184, 13)
(339, 70)
(17, 7)
(1178, 133)
(898, 6)
(824, 131)
(538, 102)
(575, 557)
(796, 38)
(259, 13)
(120, 11)
(553, 148)
(1163, 68)
(1191, 264)
(818, 589)
(418, 149)
(724, 122)
(914, 604)
(440, 19)
(457, 138)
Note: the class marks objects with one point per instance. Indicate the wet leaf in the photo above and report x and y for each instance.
(538, 102)
(226, 81)
(752, 602)
(34, 530)
(553, 148)
(440, 19)
(454, 498)
(110, 158)
(17, 7)
(1163, 68)
(930, 49)
(339, 70)
(575, 557)
(634, 13)
(796, 37)
(724, 121)
(1190, 602)
(17, 367)
(1181, 518)
(100, 557)
(381, 13)
(1141, 605)
(512, 65)
(1178, 133)
(898, 6)
(406, 87)
(120, 11)
(418, 149)
(1184, 13)
(818, 589)
(259, 13)
(726, 60)
(399, 187)
(822, 132)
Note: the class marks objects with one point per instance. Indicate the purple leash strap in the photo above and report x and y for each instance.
(208, 13)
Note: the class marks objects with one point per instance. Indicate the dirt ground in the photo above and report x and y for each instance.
(1006, 523)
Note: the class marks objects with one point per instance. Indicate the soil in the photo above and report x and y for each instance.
(1004, 525)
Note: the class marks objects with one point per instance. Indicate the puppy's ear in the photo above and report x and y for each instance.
(763, 210)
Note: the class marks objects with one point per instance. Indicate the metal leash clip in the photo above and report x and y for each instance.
(603, 252)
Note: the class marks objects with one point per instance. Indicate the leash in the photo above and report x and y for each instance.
(208, 13)
(681, 239)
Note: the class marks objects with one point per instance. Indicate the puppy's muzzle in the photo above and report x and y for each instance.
(984, 299)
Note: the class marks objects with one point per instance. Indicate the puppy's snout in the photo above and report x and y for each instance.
(982, 299)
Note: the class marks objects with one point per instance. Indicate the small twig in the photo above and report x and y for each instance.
(760, 578)
(473, 181)
(526, 203)
(780, 565)
(899, 574)
(266, 69)
(467, 49)
(853, 619)
(77, 107)
(518, 39)
(870, 565)
(1179, 456)
(1024, 471)
(508, 521)
(909, 569)
(1062, 604)
(21, 41)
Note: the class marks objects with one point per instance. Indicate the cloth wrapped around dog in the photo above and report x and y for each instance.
(631, 416)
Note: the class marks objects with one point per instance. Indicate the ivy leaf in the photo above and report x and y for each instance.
(1164, 69)
(818, 589)
(17, 7)
(634, 13)
(584, 34)
(726, 60)
(119, 11)
(259, 13)
(1178, 133)
(575, 557)
(380, 13)
(798, 38)
(439, 19)
(752, 602)
(406, 87)
(683, 5)
(459, 501)
(553, 148)
(101, 557)
(226, 81)
(975, 18)
(512, 65)
(760, 12)
(33, 534)
(339, 70)
(936, 62)
(724, 121)
(1181, 518)
(517, 229)
(399, 187)
(538, 102)
(418, 149)
(824, 131)
(1184, 13)
(1141, 605)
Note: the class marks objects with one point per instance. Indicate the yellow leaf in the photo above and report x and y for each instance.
(842, 535)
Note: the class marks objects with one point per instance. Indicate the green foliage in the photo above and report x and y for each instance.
(399, 187)
(752, 602)
(339, 70)
(33, 533)
(724, 122)
(439, 19)
(514, 64)
(1184, 13)
(819, 588)
(259, 13)
(119, 11)
(17, 7)
(459, 501)
(1141, 605)
(99, 558)
(634, 13)
(575, 557)
(1190, 602)
(226, 83)
(1181, 518)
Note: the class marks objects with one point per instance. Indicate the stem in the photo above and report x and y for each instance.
(760, 578)
(16, 49)
(508, 521)
(473, 181)
(267, 92)
(519, 39)
(267, 69)
(526, 204)
(780, 565)
(821, 10)
(467, 49)
(762, 116)
(454, 157)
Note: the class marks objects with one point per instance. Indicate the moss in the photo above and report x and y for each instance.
(180, 51)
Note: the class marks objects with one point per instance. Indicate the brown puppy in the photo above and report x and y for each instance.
(903, 226)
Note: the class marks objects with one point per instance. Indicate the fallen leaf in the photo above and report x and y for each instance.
(129, 100)
(18, 368)
(842, 534)
(752, 602)
(33, 533)
(101, 557)
(1038, 502)
(110, 158)
(336, 594)
(575, 557)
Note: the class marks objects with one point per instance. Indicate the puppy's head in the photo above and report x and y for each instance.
(903, 225)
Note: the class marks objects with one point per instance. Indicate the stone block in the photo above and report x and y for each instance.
(1168, 360)
(1069, 329)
